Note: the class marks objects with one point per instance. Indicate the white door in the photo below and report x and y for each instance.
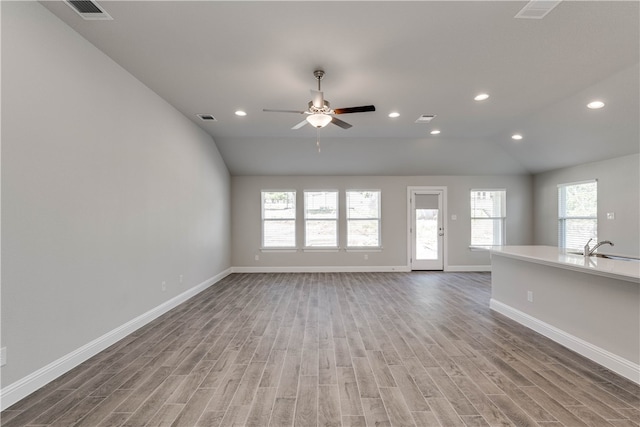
(426, 230)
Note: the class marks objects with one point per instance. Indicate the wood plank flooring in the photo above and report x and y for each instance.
(335, 349)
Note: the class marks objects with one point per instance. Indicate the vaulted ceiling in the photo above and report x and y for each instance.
(414, 58)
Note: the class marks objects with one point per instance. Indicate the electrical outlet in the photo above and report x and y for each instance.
(3, 356)
(530, 296)
(257, 257)
(164, 286)
(454, 217)
(611, 215)
(366, 257)
(181, 278)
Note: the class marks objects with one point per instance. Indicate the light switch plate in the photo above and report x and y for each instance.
(3, 356)
(611, 215)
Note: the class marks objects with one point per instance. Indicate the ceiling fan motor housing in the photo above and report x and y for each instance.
(326, 109)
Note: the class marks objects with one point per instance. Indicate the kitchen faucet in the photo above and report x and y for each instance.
(589, 251)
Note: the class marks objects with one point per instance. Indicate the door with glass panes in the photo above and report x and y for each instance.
(426, 230)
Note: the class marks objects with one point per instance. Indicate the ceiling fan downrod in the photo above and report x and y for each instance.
(319, 74)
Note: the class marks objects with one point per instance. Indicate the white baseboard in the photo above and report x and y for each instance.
(353, 269)
(32, 382)
(467, 268)
(599, 355)
(323, 269)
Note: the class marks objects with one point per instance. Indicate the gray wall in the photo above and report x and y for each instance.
(246, 213)
(106, 192)
(552, 287)
(618, 192)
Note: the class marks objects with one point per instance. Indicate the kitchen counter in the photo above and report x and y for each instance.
(556, 257)
(591, 306)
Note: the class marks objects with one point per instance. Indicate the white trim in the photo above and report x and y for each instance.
(263, 219)
(617, 364)
(467, 268)
(324, 269)
(305, 219)
(32, 382)
(588, 181)
(378, 218)
(502, 218)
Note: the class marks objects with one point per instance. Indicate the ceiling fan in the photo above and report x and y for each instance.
(319, 112)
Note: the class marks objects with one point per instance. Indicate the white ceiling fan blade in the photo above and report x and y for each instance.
(318, 99)
(299, 125)
(269, 110)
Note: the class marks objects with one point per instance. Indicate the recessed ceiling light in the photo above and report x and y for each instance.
(594, 105)
(481, 96)
(435, 132)
(241, 113)
(516, 136)
(394, 114)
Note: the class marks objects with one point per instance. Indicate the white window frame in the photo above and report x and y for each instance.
(563, 218)
(264, 220)
(498, 221)
(353, 219)
(308, 247)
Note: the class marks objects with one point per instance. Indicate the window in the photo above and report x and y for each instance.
(577, 214)
(488, 215)
(278, 219)
(363, 219)
(321, 219)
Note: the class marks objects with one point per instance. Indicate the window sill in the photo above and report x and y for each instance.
(278, 249)
(365, 249)
(483, 248)
(328, 249)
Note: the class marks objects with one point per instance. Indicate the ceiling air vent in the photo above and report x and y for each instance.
(89, 10)
(207, 117)
(425, 118)
(537, 9)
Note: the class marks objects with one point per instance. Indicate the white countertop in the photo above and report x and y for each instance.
(556, 257)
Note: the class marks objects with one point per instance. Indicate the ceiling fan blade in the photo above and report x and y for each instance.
(336, 121)
(283, 111)
(299, 125)
(318, 98)
(361, 109)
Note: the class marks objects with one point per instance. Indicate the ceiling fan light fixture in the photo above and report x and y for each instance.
(319, 120)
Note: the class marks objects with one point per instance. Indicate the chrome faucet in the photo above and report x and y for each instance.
(589, 251)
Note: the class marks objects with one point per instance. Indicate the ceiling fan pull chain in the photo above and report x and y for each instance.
(318, 140)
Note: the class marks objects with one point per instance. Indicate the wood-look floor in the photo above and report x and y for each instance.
(350, 349)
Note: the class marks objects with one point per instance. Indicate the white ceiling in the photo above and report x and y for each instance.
(416, 57)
